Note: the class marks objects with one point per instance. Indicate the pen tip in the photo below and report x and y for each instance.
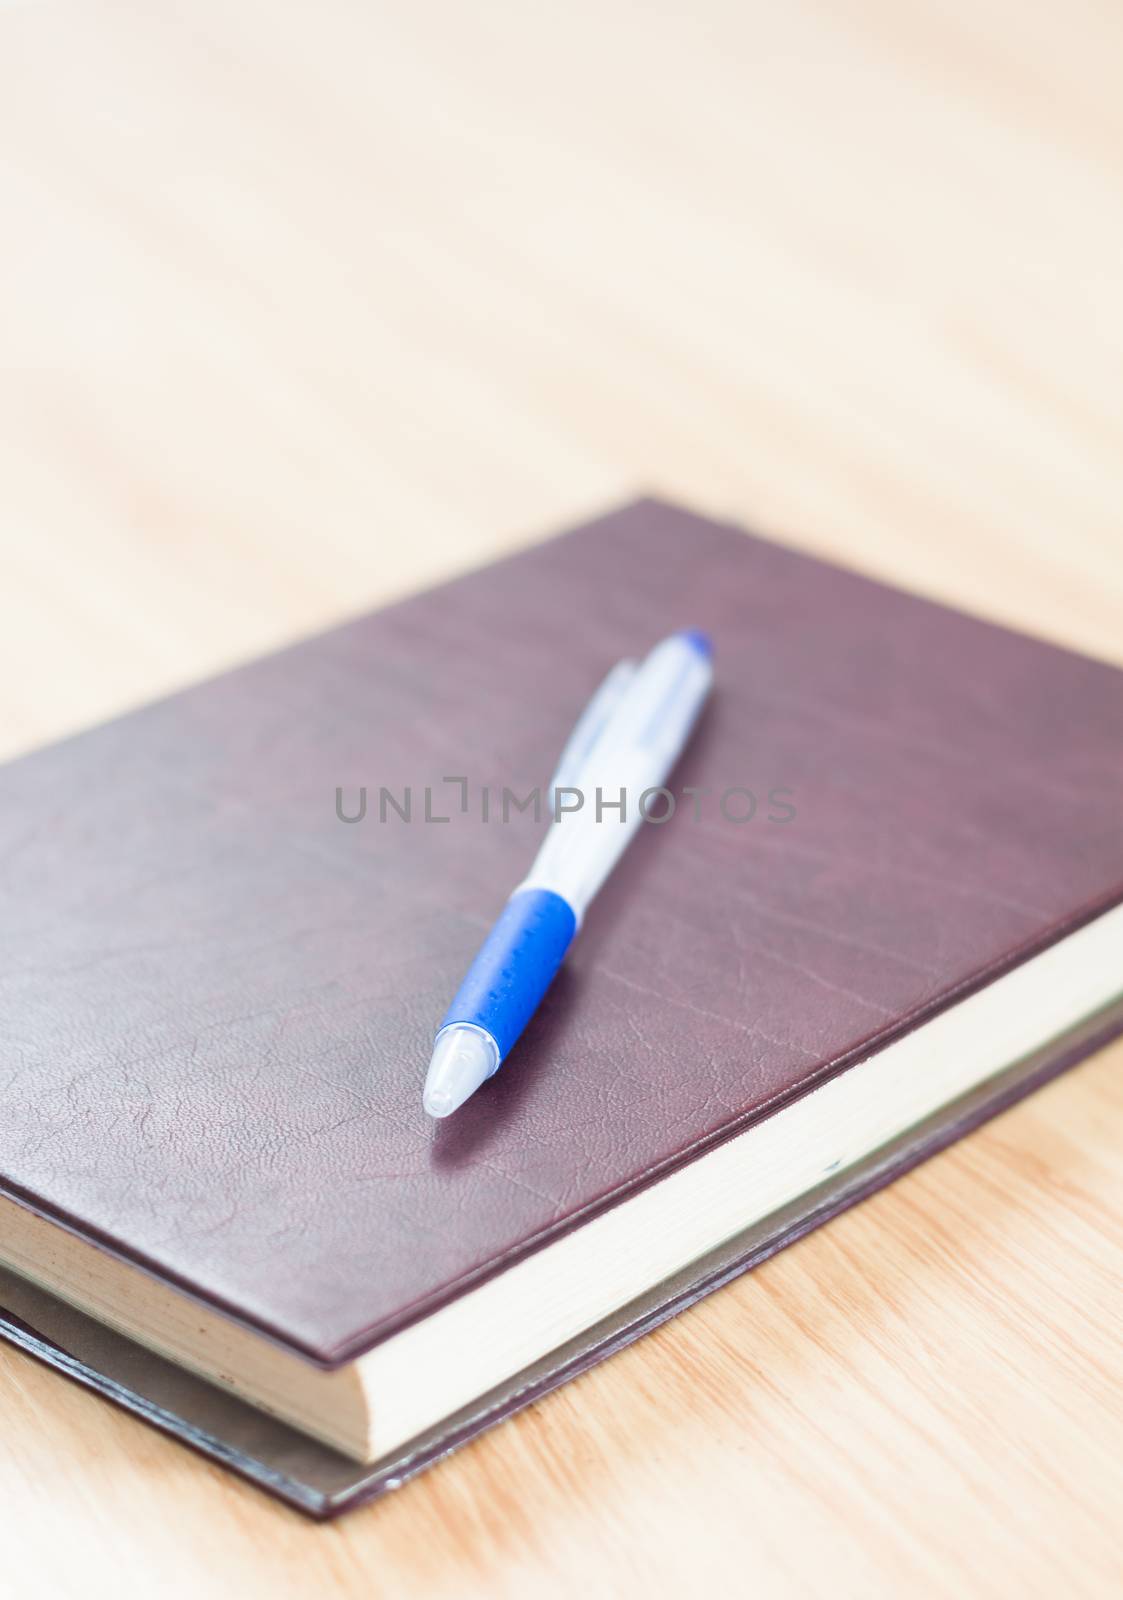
(699, 641)
(464, 1056)
(438, 1101)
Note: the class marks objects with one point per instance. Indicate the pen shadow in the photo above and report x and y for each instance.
(482, 1122)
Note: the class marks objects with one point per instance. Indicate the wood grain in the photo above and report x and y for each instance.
(305, 306)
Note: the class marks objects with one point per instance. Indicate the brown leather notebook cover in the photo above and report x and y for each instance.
(219, 999)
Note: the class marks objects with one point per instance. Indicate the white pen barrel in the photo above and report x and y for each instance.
(635, 753)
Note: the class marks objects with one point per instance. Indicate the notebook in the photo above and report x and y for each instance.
(887, 902)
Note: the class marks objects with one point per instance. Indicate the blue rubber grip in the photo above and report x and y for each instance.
(515, 966)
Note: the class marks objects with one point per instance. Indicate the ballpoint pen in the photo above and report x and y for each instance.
(623, 748)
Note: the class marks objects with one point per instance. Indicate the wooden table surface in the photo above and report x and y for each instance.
(304, 306)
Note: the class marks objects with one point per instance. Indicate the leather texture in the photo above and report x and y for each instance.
(219, 999)
(321, 1483)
